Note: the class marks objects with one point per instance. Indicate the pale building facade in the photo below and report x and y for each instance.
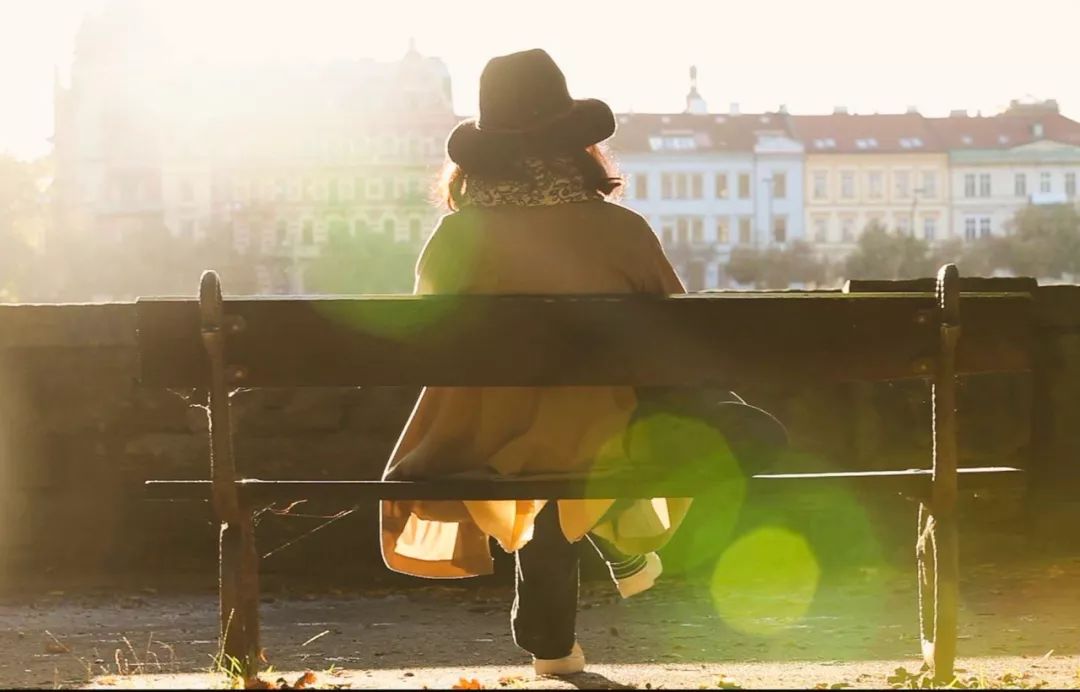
(860, 170)
(275, 157)
(711, 182)
(998, 165)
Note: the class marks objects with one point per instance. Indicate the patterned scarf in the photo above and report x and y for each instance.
(546, 182)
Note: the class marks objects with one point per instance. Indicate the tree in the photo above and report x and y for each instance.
(1044, 242)
(777, 267)
(23, 215)
(362, 262)
(884, 255)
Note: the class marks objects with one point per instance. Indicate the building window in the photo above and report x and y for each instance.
(780, 229)
(333, 192)
(1020, 184)
(414, 230)
(821, 184)
(874, 185)
(308, 233)
(721, 186)
(359, 226)
(305, 189)
(779, 185)
(667, 225)
(929, 184)
(929, 228)
(984, 185)
(984, 227)
(1044, 182)
(969, 185)
(903, 184)
(744, 230)
(821, 229)
(903, 224)
(722, 232)
(697, 230)
(187, 191)
(282, 232)
(696, 191)
(641, 186)
(682, 230)
(389, 227)
(665, 186)
(389, 190)
(969, 228)
(680, 186)
(744, 186)
(847, 185)
(1070, 184)
(847, 229)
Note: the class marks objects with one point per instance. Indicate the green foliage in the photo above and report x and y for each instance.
(365, 262)
(1045, 242)
(881, 254)
(777, 267)
(23, 214)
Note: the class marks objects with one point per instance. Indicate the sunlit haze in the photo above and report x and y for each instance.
(811, 56)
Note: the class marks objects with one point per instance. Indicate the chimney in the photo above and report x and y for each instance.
(782, 109)
(1037, 130)
(840, 110)
(734, 110)
(958, 114)
(913, 110)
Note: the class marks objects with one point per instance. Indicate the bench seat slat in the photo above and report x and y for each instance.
(689, 340)
(638, 486)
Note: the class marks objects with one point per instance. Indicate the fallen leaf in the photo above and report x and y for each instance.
(258, 684)
(472, 684)
(306, 680)
(55, 647)
(262, 655)
(726, 683)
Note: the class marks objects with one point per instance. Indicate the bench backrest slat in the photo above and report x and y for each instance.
(580, 340)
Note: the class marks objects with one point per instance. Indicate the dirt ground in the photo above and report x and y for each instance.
(1019, 625)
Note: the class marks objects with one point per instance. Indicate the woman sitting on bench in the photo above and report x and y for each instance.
(528, 191)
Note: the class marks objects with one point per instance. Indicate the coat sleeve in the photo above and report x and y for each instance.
(448, 261)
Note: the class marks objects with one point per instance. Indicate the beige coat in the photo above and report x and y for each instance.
(580, 247)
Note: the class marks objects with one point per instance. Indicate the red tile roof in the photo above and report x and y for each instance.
(710, 131)
(843, 133)
(1003, 131)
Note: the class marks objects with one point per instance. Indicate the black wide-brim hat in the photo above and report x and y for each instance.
(525, 108)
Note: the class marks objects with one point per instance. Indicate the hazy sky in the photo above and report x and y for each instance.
(808, 54)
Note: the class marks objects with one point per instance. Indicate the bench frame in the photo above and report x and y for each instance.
(233, 499)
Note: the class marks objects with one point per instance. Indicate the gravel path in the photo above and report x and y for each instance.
(856, 632)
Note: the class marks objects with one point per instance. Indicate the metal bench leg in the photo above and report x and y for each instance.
(237, 559)
(937, 545)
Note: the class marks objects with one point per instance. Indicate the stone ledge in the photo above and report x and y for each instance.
(40, 325)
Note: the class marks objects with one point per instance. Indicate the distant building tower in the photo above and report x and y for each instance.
(694, 103)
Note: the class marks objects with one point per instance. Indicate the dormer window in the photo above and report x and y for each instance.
(966, 139)
(910, 142)
(825, 143)
(680, 142)
(867, 143)
(1003, 139)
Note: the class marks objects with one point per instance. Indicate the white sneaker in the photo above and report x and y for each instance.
(643, 579)
(574, 662)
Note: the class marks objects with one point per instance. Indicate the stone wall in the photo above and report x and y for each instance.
(78, 436)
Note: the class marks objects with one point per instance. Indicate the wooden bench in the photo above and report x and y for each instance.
(721, 340)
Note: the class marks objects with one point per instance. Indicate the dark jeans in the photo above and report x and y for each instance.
(546, 586)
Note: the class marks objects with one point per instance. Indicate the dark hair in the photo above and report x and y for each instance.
(596, 167)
